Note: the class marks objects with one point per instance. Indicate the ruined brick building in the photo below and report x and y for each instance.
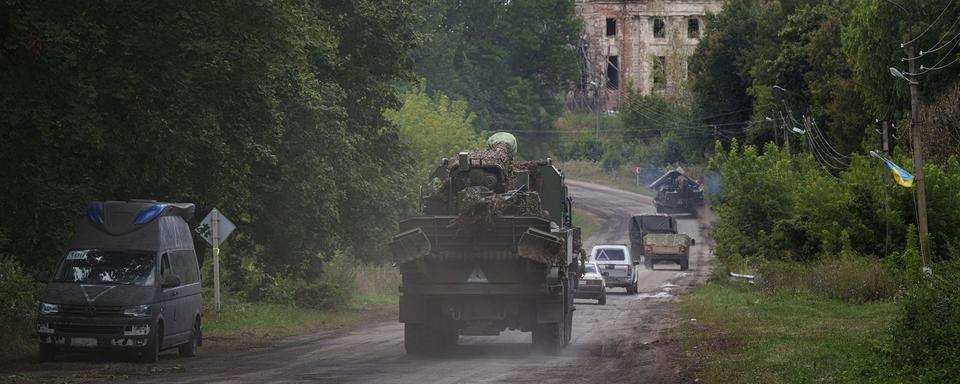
(644, 44)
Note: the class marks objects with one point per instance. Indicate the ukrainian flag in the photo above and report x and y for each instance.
(901, 176)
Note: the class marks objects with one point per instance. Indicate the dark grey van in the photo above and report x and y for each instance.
(129, 281)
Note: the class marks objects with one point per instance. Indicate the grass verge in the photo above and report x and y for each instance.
(741, 335)
(590, 171)
(243, 324)
(588, 224)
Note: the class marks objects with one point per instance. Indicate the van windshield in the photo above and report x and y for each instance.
(107, 267)
(610, 254)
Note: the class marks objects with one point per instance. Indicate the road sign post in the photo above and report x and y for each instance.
(215, 228)
(637, 172)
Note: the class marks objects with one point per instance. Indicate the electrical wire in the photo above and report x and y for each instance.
(929, 26)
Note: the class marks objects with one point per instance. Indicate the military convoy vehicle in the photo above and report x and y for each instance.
(671, 247)
(677, 193)
(494, 249)
(645, 224)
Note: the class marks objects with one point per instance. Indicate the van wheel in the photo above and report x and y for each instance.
(151, 352)
(189, 349)
(48, 352)
(631, 289)
(602, 300)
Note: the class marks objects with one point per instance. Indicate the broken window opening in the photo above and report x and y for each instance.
(693, 28)
(659, 28)
(660, 72)
(611, 27)
(613, 72)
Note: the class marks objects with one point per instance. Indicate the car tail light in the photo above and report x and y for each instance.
(629, 269)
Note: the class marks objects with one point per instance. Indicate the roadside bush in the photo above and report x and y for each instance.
(857, 280)
(18, 306)
(926, 334)
(303, 294)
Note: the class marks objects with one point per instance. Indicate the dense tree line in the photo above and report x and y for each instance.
(270, 111)
(511, 61)
(829, 60)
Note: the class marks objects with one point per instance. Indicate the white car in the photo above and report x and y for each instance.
(592, 286)
(617, 265)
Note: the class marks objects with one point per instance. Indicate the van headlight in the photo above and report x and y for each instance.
(48, 309)
(138, 310)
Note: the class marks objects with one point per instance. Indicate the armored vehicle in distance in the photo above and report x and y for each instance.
(677, 193)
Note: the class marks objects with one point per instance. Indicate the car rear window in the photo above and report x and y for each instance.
(611, 254)
(589, 268)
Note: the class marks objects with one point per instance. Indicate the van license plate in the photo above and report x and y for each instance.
(83, 342)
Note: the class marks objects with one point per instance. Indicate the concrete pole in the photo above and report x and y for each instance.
(917, 147)
(886, 191)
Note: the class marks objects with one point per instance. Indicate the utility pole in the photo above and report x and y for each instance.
(886, 189)
(786, 132)
(917, 146)
(596, 105)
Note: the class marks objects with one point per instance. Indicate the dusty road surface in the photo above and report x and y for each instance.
(621, 342)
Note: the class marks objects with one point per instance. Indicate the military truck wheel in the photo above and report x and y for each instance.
(568, 316)
(548, 338)
(648, 263)
(451, 337)
(48, 352)
(419, 339)
(684, 265)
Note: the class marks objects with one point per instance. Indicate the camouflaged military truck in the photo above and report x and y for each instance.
(494, 249)
(670, 247)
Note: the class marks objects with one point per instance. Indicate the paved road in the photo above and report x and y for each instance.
(599, 352)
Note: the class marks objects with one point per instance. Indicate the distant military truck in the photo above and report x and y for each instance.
(494, 249)
(677, 193)
(667, 247)
(645, 224)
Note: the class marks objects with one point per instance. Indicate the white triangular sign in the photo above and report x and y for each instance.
(477, 276)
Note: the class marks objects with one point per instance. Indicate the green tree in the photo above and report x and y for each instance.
(434, 128)
(270, 111)
(511, 62)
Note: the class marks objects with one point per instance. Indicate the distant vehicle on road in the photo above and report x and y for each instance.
(130, 281)
(671, 247)
(677, 193)
(592, 285)
(616, 264)
(645, 224)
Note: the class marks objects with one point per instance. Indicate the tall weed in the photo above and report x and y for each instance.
(854, 280)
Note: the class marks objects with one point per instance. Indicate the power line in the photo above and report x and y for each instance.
(929, 26)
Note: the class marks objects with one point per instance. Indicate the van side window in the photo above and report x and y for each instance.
(185, 266)
(165, 266)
